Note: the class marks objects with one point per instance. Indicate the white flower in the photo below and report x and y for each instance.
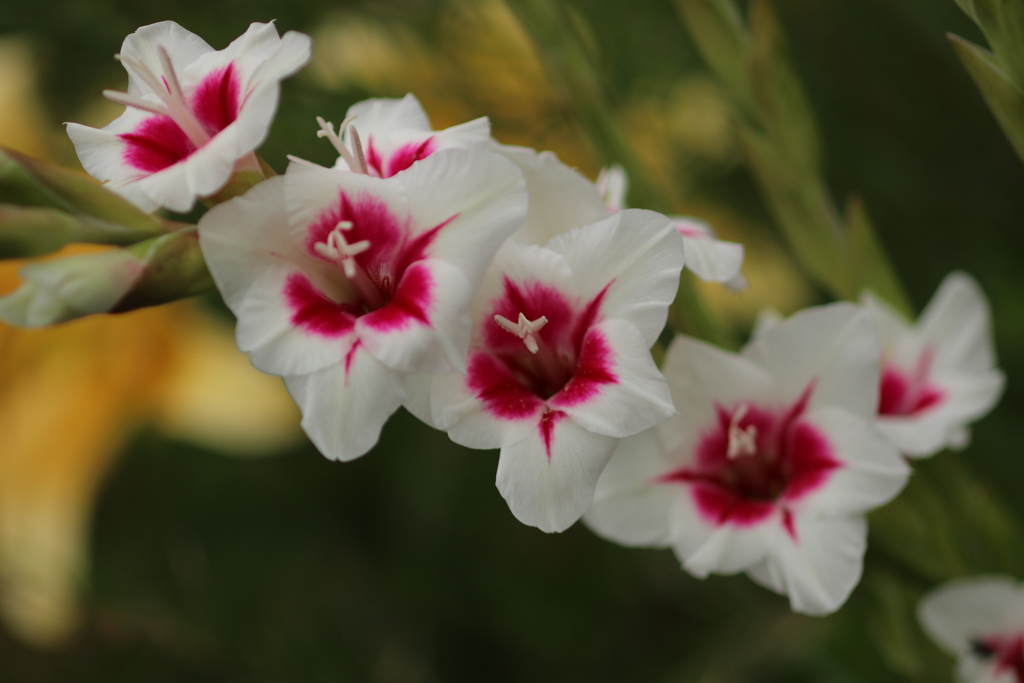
(193, 112)
(344, 283)
(559, 368)
(770, 464)
(709, 258)
(980, 621)
(939, 374)
(381, 137)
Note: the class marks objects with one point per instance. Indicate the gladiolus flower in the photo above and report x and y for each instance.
(559, 368)
(939, 374)
(770, 464)
(194, 114)
(980, 621)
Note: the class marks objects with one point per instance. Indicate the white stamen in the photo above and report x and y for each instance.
(302, 162)
(337, 248)
(137, 102)
(742, 441)
(355, 162)
(524, 329)
(168, 89)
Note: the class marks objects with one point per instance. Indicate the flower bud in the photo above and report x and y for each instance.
(152, 272)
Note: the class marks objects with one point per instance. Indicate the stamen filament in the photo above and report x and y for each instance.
(355, 162)
(127, 100)
(742, 441)
(169, 91)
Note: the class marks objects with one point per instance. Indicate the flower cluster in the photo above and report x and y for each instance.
(504, 298)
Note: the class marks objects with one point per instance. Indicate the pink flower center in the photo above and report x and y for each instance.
(1006, 652)
(379, 265)
(182, 123)
(905, 393)
(754, 461)
(539, 350)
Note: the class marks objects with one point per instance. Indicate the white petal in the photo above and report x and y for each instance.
(482, 195)
(872, 471)
(560, 198)
(958, 323)
(423, 328)
(712, 259)
(726, 549)
(183, 47)
(613, 183)
(417, 396)
(378, 117)
(344, 409)
(766, 319)
(637, 399)
(819, 569)
(891, 325)
(964, 609)
(700, 376)
(551, 487)
(637, 255)
(629, 507)
(456, 409)
(835, 346)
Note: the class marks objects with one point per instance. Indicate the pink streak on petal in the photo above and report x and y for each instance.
(410, 153)
(156, 144)
(593, 370)
(410, 304)
(792, 459)
(789, 524)
(215, 101)
(501, 392)
(349, 358)
(589, 317)
(315, 313)
(548, 420)
(373, 159)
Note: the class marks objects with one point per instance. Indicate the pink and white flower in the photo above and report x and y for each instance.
(193, 113)
(559, 368)
(382, 137)
(344, 283)
(938, 374)
(770, 464)
(707, 257)
(980, 621)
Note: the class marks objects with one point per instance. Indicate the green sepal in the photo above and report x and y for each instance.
(173, 268)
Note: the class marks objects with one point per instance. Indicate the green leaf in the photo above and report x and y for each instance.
(1008, 42)
(781, 102)
(29, 231)
(869, 264)
(1001, 96)
(803, 211)
(718, 31)
(968, 7)
(30, 182)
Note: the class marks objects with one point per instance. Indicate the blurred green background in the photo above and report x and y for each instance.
(406, 566)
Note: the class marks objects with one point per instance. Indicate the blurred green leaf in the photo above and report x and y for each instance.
(802, 211)
(28, 231)
(869, 264)
(784, 109)
(722, 39)
(892, 621)
(1002, 97)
